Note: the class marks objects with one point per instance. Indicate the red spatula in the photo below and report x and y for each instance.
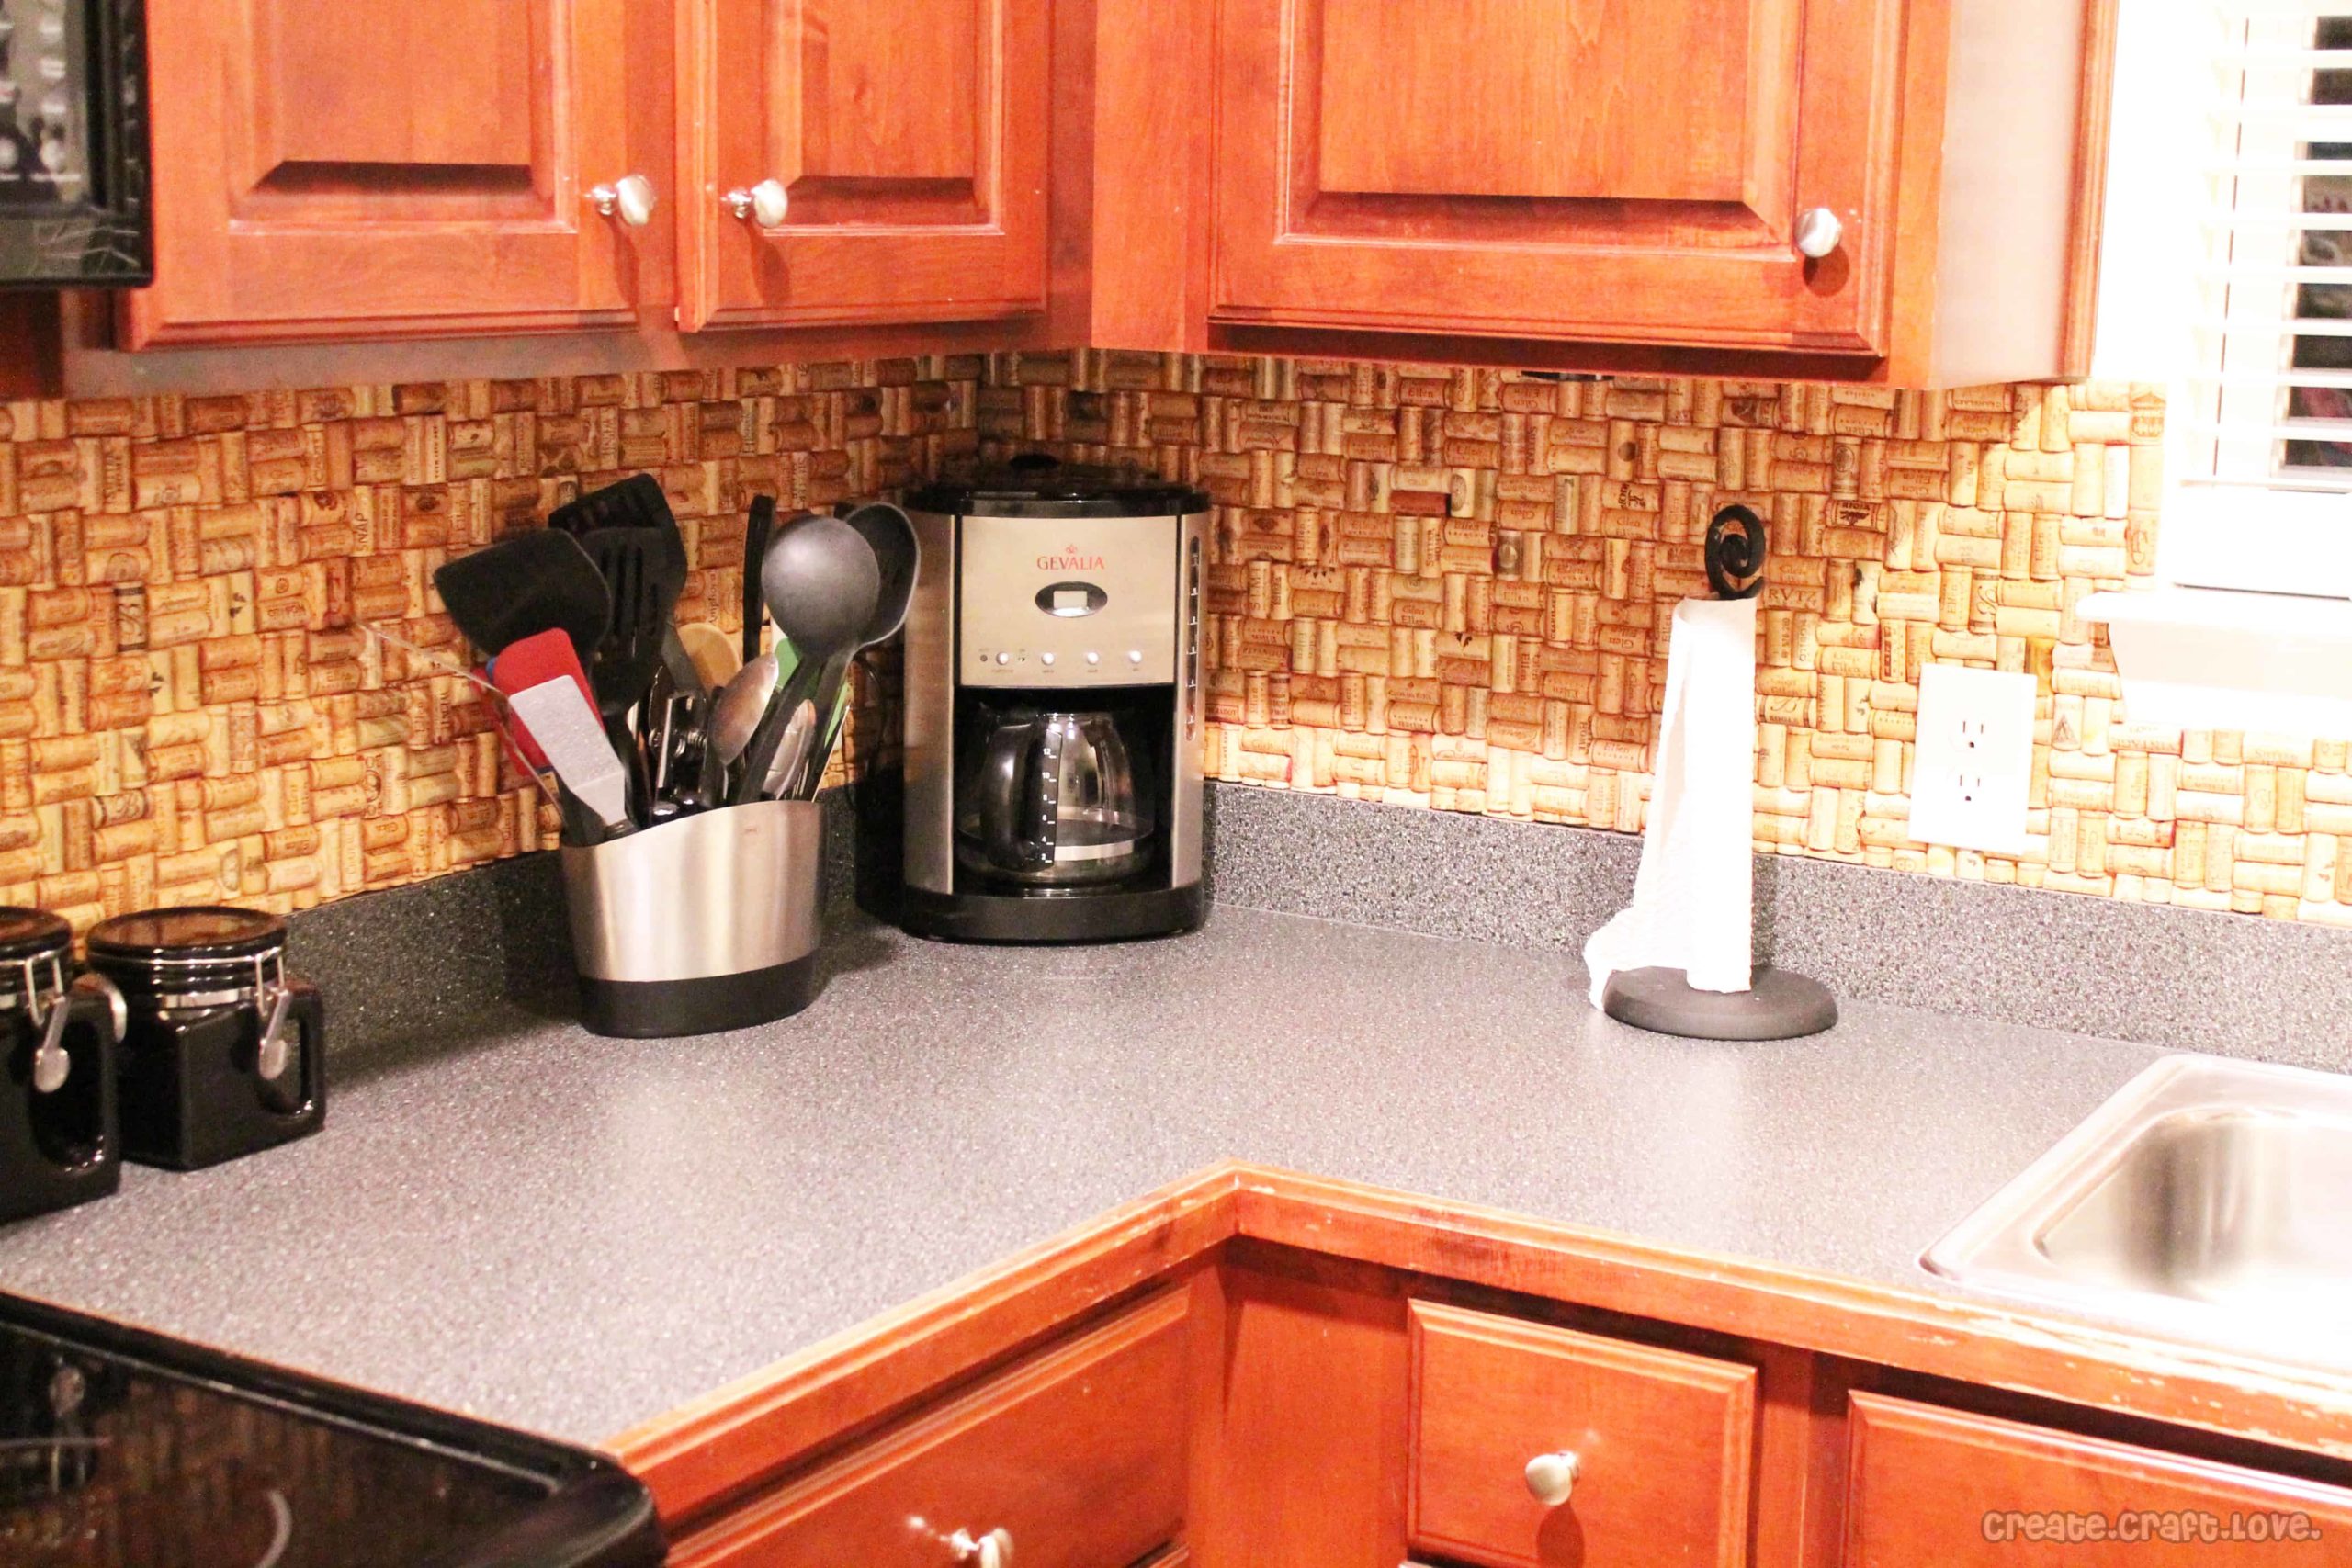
(549, 696)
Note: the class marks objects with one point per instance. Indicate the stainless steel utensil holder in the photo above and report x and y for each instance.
(704, 923)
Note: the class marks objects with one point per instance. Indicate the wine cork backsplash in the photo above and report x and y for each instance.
(191, 709)
(1443, 588)
(1451, 588)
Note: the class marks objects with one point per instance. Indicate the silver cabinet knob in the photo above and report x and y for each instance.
(1552, 1477)
(1819, 232)
(767, 202)
(628, 198)
(993, 1549)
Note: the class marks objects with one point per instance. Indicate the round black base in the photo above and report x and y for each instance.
(1076, 917)
(661, 1009)
(1777, 1006)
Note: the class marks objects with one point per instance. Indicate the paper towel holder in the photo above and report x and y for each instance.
(1777, 1005)
(1739, 548)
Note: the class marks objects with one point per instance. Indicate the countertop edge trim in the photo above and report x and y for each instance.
(698, 1457)
(1984, 1343)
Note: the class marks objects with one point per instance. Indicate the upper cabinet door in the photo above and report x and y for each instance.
(855, 161)
(1603, 170)
(413, 168)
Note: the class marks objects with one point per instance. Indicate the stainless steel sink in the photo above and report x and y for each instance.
(2209, 1198)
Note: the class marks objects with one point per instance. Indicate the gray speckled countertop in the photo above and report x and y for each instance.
(574, 1235)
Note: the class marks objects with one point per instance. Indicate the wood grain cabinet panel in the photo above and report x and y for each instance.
(1958, 1490)
(1623, 184)
(1664, 1442)
(1612, 170)
(1078, 1455)
(909, 139)
(426, 171)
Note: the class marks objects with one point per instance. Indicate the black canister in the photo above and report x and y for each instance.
(61, 1142)
(224, 1054)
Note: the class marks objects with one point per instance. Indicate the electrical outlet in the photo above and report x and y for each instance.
(1972, 767)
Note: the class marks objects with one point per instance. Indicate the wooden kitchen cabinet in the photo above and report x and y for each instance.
(425, 170)
(1607, 185)
(1961, 1490)
(444, 168)
(862, 161)
(1325, 1375)
(1886, 187)
(1648, 1452)
(1074, 1458)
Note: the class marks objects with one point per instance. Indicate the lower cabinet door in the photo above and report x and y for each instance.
(1535, 1447)
(1075, 1458)
(1958, 1490)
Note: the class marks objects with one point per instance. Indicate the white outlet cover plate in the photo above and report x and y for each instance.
(1972, 773)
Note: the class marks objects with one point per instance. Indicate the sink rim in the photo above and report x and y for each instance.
(2000, 1247)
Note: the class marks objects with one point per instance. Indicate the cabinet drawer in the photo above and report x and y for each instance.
(1078, 1455)
(1662, 1440)
(1967, 1491)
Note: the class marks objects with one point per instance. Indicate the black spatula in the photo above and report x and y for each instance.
(637, 501)
(522, 584)
(629, 532)
(644, 569)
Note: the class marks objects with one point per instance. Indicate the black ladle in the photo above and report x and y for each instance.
(820, 580)
(892, 537)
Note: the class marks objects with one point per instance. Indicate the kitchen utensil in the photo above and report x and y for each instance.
(819, 581)
(565, 727)
(734, 720)
(637, 501)
(799, 735)
(891, 536)
(550, 696)
(758, 528)
(525, 584)
(644, 569)
(673, 735)
(714, 655)
(1053, 803)
(223, 1052)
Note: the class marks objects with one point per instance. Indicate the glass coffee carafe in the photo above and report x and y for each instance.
(1050, 800)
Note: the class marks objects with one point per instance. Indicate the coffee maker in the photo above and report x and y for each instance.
(1052, 786)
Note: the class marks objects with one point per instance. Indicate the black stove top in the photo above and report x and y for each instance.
(121, 1448)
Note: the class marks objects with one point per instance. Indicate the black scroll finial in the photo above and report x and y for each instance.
(1737, 548)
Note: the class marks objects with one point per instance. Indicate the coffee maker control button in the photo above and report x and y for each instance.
(1135, 656)
(1047, 659)
(1004, 658)
(1094, 659)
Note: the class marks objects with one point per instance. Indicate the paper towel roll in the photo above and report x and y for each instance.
(1693, 899)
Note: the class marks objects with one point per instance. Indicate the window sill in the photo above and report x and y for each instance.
(2220, 659)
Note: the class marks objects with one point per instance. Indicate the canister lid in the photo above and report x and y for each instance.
(1040, 486)
(194, 933)
(31, 933)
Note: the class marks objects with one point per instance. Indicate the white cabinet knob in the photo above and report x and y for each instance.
(993, 1549)
(1819, 232)
(766, 202)
(1551, 1478)
(628, 198)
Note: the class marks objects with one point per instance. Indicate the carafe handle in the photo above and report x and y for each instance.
(1007, 783)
